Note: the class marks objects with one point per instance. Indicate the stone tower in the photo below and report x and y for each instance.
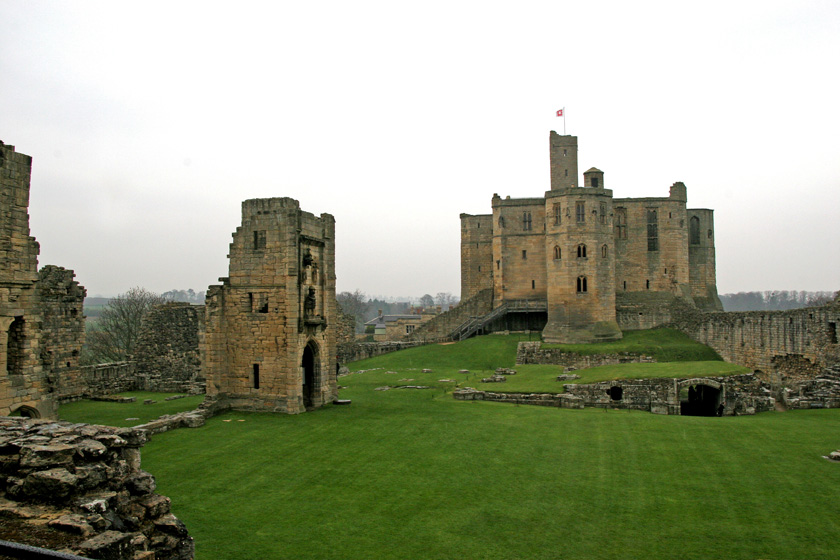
(579, 254)
(270, 326)
(41, 315)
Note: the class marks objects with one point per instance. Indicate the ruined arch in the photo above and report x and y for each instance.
(700, 397)
(26, 412)
(311, 369)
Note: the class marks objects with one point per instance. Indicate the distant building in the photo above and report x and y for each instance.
(584, 264)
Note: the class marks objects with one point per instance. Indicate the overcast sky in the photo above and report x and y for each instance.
(149, 123)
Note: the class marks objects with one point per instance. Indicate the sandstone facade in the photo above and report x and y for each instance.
(581, 251)
(271, 325)
(168, 355)
(41, 315)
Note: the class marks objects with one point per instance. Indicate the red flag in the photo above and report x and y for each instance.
(560, 112)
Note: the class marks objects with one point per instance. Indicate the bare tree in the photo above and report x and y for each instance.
(355, 304)
(427, 301)
(113, 337)
(444, 299)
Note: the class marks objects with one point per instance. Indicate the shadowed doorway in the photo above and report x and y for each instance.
(310, 365)
(699, 400)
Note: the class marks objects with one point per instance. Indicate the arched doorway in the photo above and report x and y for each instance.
(699, 399)
(311, 365)
(26, 412)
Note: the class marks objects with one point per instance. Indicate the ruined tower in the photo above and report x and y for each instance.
(270, 326)
(41, 318)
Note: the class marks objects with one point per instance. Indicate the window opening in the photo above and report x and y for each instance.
(832, 333)
(524, 254)
(647, 284)
(259, 239)
(604, 252)
(625, 285)
(557, 253)
(15, 347)
(501, 222)
(694, 230)
(526, 221)
(533, 284)
(652, 230)
(498, 264)
(621, 223)
(256, 375)
(602, 212)
(594, 182)
(580, 212)
(409, 329)
(581, 284)
(581, 251)
(615, 392)
(557, 215)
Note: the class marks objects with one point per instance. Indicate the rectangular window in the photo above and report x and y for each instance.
(526, 221)
(580, 212)
(524, 254)
(256, 375)
(594, 182)
(832, 333)
(259, 239)
(602, 212)
(557, 214)
(652, 230)
(409, 329)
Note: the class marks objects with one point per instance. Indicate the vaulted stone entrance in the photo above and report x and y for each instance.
(700, 398)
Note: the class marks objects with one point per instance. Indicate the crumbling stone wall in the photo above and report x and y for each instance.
(362, 350)
(345, 327)
(98, 380)
(41, 318)
(81, 487)
(167, 355)
(441, 326)
(769, 340)
(535, 353)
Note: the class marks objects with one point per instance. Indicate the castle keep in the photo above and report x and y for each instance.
(41, 318)
(271, 326)
(580, 264)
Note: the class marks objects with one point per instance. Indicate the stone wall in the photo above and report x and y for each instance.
(355, 351)
(167, 357)
(98, 380)
(786, 346)
(345, 326)
(80, 488)
(739, 394)
(441, 326)
(535, 353)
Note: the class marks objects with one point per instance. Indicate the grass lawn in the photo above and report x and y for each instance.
(666, 345)
(118, 414)
(412, 473)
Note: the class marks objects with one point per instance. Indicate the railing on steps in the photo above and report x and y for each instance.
(16, 550)
(475, 324)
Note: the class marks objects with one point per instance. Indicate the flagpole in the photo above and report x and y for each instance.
(564, 121)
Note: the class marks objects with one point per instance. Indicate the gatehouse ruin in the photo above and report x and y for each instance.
(270, 341)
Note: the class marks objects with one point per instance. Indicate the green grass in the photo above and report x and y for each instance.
(665, 345)
(410, 473)
(118, 414)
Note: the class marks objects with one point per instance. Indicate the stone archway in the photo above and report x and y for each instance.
(311, 365)
(699, 397)
(26, 412)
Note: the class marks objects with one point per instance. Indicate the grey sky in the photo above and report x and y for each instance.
(150, 123)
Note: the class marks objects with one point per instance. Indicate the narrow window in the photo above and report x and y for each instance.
(526, 221)
(567, 172)
(652, 230)
(557, 254)
(259, 239)
(832, 333)
(625, 285)
(580, 212)
(557, 215)
(581, 284)
(564, 152)
(694, 230)
(602, 212)
(249, 303)
(647, 284)
(524, 254)
(501, 222)
(256, 374)
(581, 251)
(498, 265)
(533, 284)
(603, 251)
(15, 347)
(479, 268)
(709, 234)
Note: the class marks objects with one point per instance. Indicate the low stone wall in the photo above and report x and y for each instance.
(79, 488)
(354, 351)
(560, 400)
(822, 391)
(99, 379)
(534, 353)
(740, 394)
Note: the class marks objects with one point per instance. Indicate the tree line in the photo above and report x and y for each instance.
(774, 300)
(364, 308)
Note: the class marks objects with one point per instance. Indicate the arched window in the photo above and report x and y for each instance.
(557, 253)
(581, 284)
(581, 251)
(694, 230)
(603, 251)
